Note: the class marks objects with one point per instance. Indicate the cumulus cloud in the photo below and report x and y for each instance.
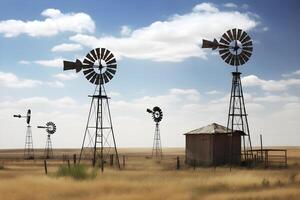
(230, 5)
(24, 62)
(125, 30)
(55, 22)
(10, 80)
(66, 47)
(174, 39)
(270, 85)
(65, 76)
(213, 92)
(295, 73)
(56, 62)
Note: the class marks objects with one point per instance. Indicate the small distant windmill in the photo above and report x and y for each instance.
(28, 151)
(50, 129)
(157, 117)
(235, 48)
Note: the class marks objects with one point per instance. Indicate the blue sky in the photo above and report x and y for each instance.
(160, 62)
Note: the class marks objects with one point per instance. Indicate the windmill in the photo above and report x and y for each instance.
(99, 67)
(50, 129)
(235, 48)
(157, 117)
(28, 150)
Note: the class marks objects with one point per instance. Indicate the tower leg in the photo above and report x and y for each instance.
(28, 151)
(237, 120)
(48, 153)
(156, 149)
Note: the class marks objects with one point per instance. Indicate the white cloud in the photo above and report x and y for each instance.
(10, 80)
(55, 22)
(265, 28)
(24, 62)
(295, 73)
(65, 76)
(56, 62)
(214, 92)
(174, 39)
(270, 85)
(206, 7)
(66, 47)
(125, 30)
(230, 5)
(56, 84)
(277, 98)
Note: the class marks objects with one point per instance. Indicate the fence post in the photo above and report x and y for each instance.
(69, 164)
(123, 161)
(178, 163)
(285, 154)
(111, 159)
(74, 158)
(45, 166)
(194, 164)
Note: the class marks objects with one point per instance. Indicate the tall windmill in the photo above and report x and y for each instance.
(157, 117)
(99, 67)
(235, 48)
(28, 150)
(50, 129)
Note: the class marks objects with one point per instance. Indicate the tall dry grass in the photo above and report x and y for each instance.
(146, 179)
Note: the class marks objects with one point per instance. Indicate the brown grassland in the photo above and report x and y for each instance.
(144, 178)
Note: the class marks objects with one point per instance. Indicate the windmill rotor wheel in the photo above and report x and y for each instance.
(157, 114)
(51, 128)
(235, 47)
(99, 66)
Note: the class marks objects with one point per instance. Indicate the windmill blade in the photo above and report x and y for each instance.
(93, 79)
(102, 52)
(247, 44)
(225, 37)
(246, 39)
(245, 58)
(222, 51)
(98, 53)
(230, 35)
(109, 57)
(224, 56)
(112, 71)
(87, 71)
(109, 75)
(88, 62)
(111, 66)
(227, 60)
(222, 46)
(237, 61)
(250, 49)
(93, 53)
(90, 57)
(234, 33)
(105, 78)
(112, 61)
(107, 52)
(239, 33)
(248, 54)
(224, 41)
(244, 34)
(241, 60)
(89, 76)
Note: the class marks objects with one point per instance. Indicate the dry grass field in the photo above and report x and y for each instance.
(144, 178)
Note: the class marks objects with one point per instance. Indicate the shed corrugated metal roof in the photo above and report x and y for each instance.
(213, 128)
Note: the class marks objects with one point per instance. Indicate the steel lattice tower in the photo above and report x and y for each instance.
(48, 152)
(28, 151)
(99, 135)
(237, 115)
(156, 149)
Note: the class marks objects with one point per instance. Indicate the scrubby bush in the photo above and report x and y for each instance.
(78, 172)
(1, 166)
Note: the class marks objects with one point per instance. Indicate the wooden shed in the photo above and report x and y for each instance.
(210, 145)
